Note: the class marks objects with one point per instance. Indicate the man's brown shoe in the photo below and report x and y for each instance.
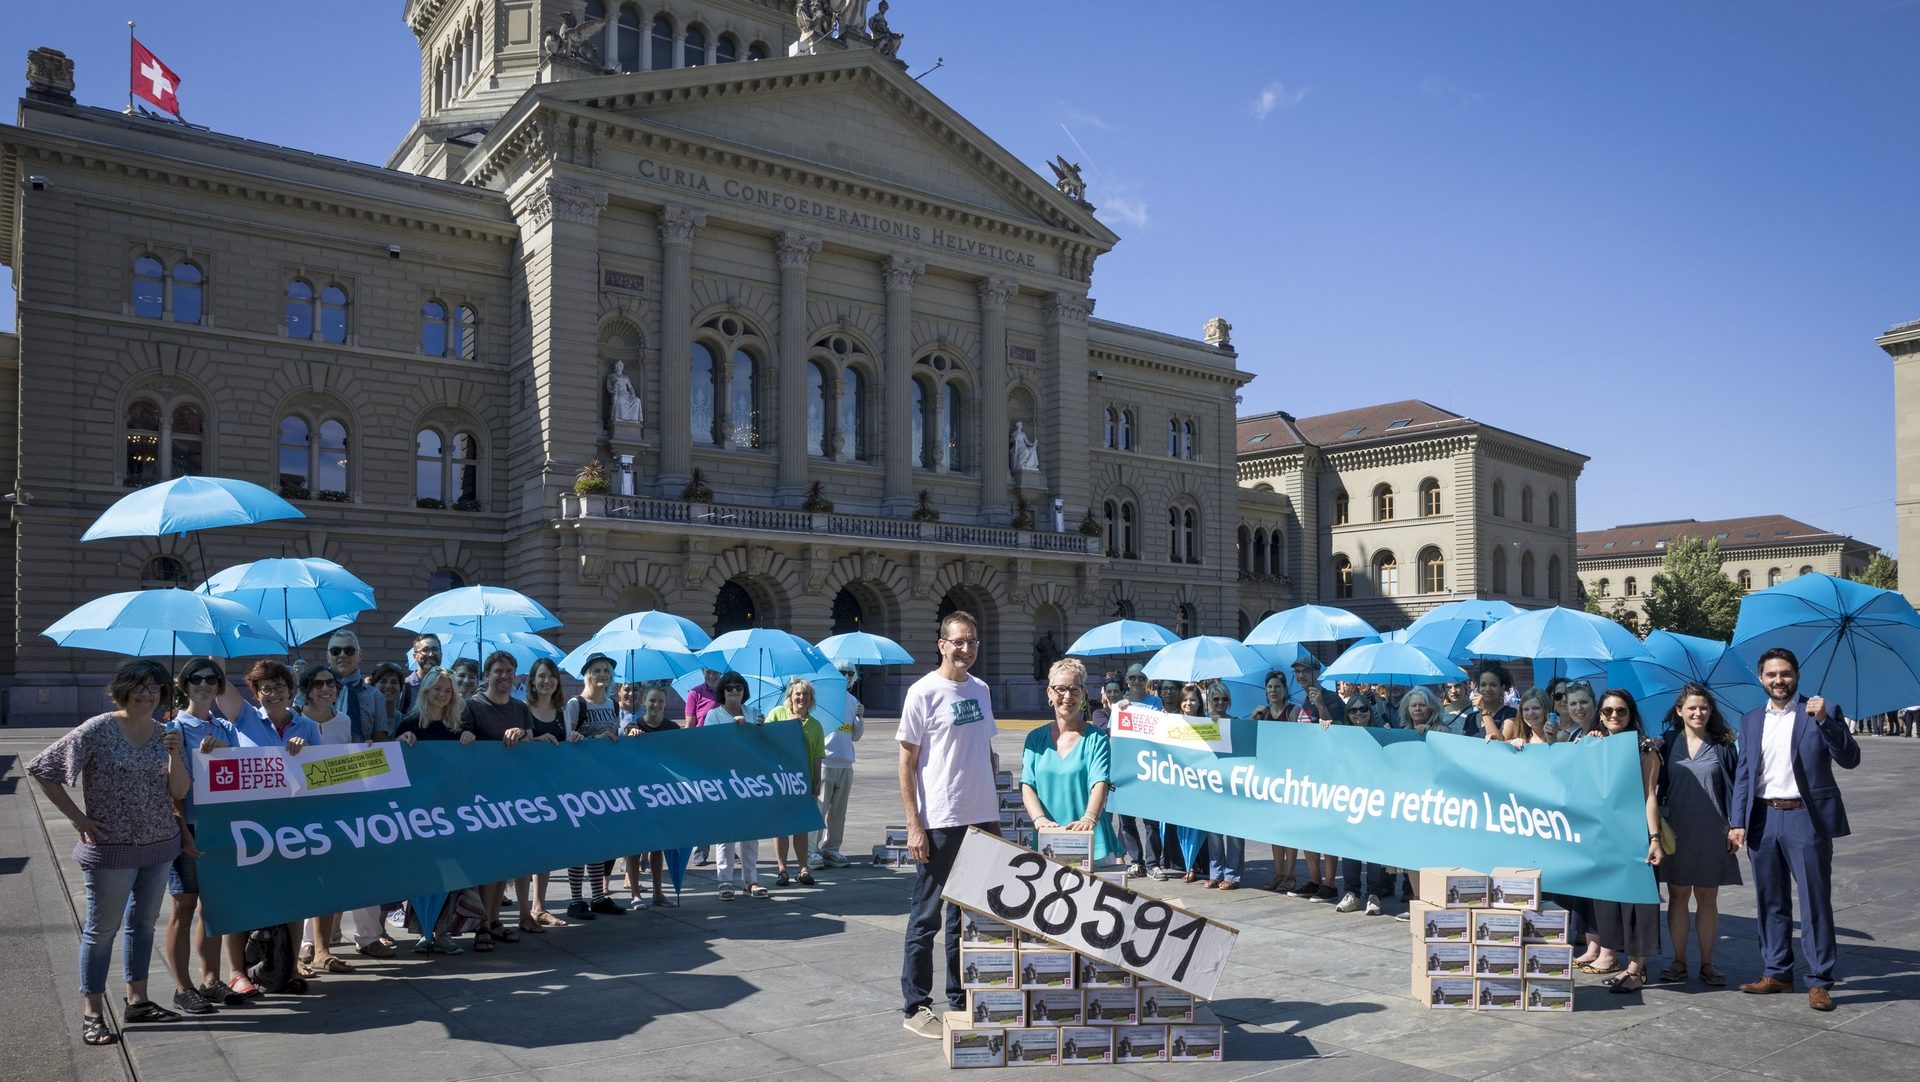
(1819, 1000)
(1767, 986)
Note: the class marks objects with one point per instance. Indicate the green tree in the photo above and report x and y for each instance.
(1691, 595)
(1619, 613)
(1880, 571)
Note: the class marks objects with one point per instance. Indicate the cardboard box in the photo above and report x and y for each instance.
(1056, 1007)
(1095, 973)
(1086, 1044)
(893, 856)
(1496, 928)
(1548, 962)
(1550, 996)
(1514, 888)
(1035, 940)
(968, 1047)
(989, 1008)
(1443, 960)
(1160, 1005)
(1112, 1006)
(1070, 847)
(1140, 1044)
(1033, 1047)
(1046, 967)
(980, 930)
(1496, 962)
(1453, 888)
(896, 836)
(987, 968)
(1444, 993)
(1546, 924)
(1116, 876)
(1498, 995)
(1003, 780)
(1009, 800)
(1012, 823)
(1201, 1041)
(1436, 924)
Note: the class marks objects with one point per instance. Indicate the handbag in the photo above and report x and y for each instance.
(1668, 840)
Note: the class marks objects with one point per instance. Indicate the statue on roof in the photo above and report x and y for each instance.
(1067, 179)
(852, 17)
(885, 41)
(573, 40)
(815, 19)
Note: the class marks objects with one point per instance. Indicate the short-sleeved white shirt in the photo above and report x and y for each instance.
(952, 725)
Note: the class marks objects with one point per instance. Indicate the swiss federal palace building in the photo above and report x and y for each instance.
(833, 346)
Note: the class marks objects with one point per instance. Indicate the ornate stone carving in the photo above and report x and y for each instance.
(1025, 452)
(924, 569)
(592, 555)
(885, 41)
(678, 224)
(1067, 308)
(1067, 178)
(562, 201)
(698, 561)
(758, 557)
(50, 76)
(994, 293)
(795, 250)
(899, 271)
(622, 400)
(871, 564)
(852, 17)
(815, 19)
(819, 566)
(1219, 333)
(573, 40)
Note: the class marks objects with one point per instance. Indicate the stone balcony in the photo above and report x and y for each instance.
(851, 528)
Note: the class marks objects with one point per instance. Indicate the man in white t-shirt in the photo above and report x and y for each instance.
(946, 785)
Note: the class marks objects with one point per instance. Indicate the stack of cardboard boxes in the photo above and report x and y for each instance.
(1486, 942)
(892, 850)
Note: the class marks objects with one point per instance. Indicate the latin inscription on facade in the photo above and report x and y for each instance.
(623, 282)
(1022, 355)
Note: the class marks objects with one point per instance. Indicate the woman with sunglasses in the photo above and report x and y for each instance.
(1064, 765)
(131, 771)
(731, 693)
(1227, 855)
(201, 680)
(321, 687)
(1632, 929)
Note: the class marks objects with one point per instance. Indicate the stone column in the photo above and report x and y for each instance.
(677, 226)
(1064, 438)
(993, 395)
(795, 251)
(897, 274)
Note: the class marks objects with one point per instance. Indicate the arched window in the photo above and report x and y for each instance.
(188, 292)
(1111, 434)
(1633, 586)
(1499, 500)
(1806, 569)
(693, 51)
(163, 573)
(1173, 534)
(1185, 619)
(1243, 546)
(816, 409)
(1773, 576)
(1429, 497)
(1526, 574)
(466, 333)
(313, 459)
(942, 415)
(1603, 587)
(702, 395)
(1386, 574)
(1744, 579)
(726, 50)
(295, 470)
(1497, 569)
(1189, 446)
(1553, 509)
(1276, 553)
(149, 288)
(662, 46)
(447, 469)
(1342, 577)
(1173, 437)
(1383, 503)
(161, 440)
(1126, 430)
(188, 440)
(333, 314)
(433, 329)
(1526, 503)
(1190, 524)
(626, 39)
(1553, 577)
(1340, 508)
(141, 465)
(853, 415)
(743, 401)
(758, 51)
(299, 309)
(1111, 512)
(1433, 571)
(1129, 533)
(443, 580)
(922, 405)
(728, 391)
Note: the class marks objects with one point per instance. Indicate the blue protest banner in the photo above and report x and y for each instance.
(1574, 811)
(484, 812)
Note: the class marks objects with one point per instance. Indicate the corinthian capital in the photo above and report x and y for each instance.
(1068, 308)
(561, 200)
(795, 250)
(995, 291)
(898, 273)
(677, 225)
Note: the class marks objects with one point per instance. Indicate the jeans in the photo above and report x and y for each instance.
(1378, 881)
(1228, 855)
(120, 899)
(924, 920)
(1140, 838)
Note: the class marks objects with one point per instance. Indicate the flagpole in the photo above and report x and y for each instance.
(129, 66)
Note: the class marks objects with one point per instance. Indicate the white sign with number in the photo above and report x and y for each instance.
(1143, 935)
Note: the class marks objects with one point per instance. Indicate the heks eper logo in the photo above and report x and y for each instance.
(1141, 724)
(238, 775)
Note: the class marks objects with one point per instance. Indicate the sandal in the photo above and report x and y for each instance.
(805, 878)
(1674, 974)
(531, 925)
(1626, 983)
(93, 1030)
(726, 894)
(1711, 976)
(303, 971)
(1589, 967)
(148, 1011)
(336, 965)
(781, 880)
(483, 941)
(377, 949)
(758, 891)
(504, 934)
(242, 986)
(548, 920)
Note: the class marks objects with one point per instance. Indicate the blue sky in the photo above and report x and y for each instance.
(1664, 235)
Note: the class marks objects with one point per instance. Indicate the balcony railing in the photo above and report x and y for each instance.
(834, 524)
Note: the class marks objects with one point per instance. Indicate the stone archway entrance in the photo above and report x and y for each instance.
(734, 608)
(849, 615)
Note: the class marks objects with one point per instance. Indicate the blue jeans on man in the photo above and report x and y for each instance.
(1378, 881)
(924, 920)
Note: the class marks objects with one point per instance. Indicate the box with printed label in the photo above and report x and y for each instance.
(1046, 967)
(1444, 993)
(1443, 960)
(1496, 961)
(1496, 928)
(1437, 925)
(1514, 888)
(1012, 823)
(1055, 1007)
(1453, 888)
(980, 930)
(1034, 939)
(1086, 1044)
(1549, 995)
(1009, 801)
(1549, 962)
(1162, 1005)
(1095, 973)
(969, 1047)
(1072, 847)
(1201, 1041)
(892, 856)
(1546, 924)
(896, 837)
(1112, 1006)
(1003, 780)
(1140, 1044)
(990, 1007)
(1498, 995)
(987, 968)
(1116, 876)
(1033, 1047)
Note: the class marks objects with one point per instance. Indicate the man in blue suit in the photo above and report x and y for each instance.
(1786, 810)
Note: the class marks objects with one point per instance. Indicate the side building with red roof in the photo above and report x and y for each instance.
(1618, 564)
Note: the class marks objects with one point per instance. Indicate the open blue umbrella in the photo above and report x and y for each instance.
(525, 646)
(305, 598)
(1679, 660)
(1309, 623)
(143, 623)
(1858, 646)
(638, 656)
(863, 648)
(661, 630)
(475, 611)
(829, 695)
(186, 504)
(1122, 637)
(1399, 663)
(1557, 633)
(765, 651)
(1207, 657)
(1447, 629)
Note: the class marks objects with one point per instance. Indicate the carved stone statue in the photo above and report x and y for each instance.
(815, 19)
(625, 403)
(885, 41)
(1026, 453)
(852, 17)
(573, 40)
(1067, 178)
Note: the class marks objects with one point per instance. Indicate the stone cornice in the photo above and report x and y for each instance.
(1498, 446)
(1655, 557)
(1273, 464)
(1231, 376)
(1399, 453)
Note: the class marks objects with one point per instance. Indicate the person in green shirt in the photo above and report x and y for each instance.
(1063, 766)
(799, 704)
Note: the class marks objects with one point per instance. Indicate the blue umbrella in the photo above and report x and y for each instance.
(1679, 660)
(142, 623)
(677, 869)
(1122, 637)
(1309, 623)
(185, 504)
(661, 630)
(1207, 657)
(470, 609)
(638, 656)
(1858, 646)
(863, 648)
(525, 646)
(1447, 629)
(1391, 663)
(1557, 633)
(305, 598)
(829, 695)
(765, 651)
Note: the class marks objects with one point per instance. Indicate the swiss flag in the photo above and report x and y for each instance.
(153, 80)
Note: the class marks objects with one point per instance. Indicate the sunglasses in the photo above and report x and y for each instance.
(200, 678)
(1615, 712)
(338, 650)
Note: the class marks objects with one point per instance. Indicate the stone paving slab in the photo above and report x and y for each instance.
(805, 986)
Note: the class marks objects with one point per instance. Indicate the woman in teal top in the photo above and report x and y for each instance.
(1063, 768)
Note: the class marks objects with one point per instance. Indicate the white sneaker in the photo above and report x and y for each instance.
(816, 860)
(924, 1023)
(1373, 905)
(1157, 873)
(1348, 903)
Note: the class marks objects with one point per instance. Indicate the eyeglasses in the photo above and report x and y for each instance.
(1615, 712)
(963, 644)
(148, 688)
(338, 650)
(203, 678)
(1066, 689)
(1559, 696)
(324, 684)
